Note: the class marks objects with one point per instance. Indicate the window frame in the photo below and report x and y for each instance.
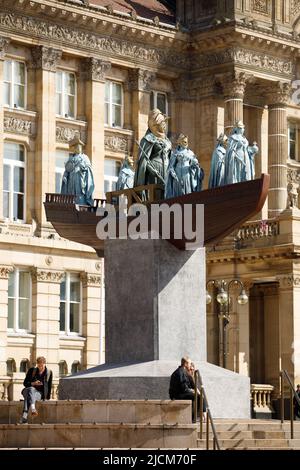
(154, 93)
(111, 104)
(11, 105)
(67, 332)
(12, 164)
(111, 179)
(16, 298)
(63, 94)
(294, 125)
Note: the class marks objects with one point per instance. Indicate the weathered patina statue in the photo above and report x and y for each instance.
(217, 167)
(78, 177)
(239, 160)
(126, 175)
(154, 152)
(184, 173)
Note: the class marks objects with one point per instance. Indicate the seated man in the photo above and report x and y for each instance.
(37, 383)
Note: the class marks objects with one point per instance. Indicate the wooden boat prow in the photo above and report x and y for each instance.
(225, 209)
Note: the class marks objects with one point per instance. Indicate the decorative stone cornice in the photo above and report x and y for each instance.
(279, 94)
(115, 143)
(5, 271)
(66, 134)
(54, 277)
(83, 40)
(95, 69)
(45, 58)
(91, 280)
(19, 126)
(3, 44)
(139, 80)
(288, 280)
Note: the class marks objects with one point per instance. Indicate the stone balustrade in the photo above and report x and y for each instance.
(258, 229)
(261, 400)
(5, 382)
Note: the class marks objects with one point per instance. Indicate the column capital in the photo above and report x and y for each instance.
(95, 69)
(41, 275)
(278, 93)
(5, 271)
(45, 58)
(234, 84)
(91, 280)
(3, 45)
(140, 80)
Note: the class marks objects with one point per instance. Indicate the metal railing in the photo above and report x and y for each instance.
(293, 395)
(209, 418)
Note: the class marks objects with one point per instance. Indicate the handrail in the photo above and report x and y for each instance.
(285, 375)
(209, 418)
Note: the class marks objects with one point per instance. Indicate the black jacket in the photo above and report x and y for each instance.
(180, 383)
(30, 377)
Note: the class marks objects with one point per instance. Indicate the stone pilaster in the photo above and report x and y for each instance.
(234, 86)
(45, 315)
(4, 273)
(91, 318)
(3, 44)
(139, 84)
(44, 62)
(93, 74)
(278, 97)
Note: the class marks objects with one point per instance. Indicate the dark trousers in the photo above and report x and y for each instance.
(191, 396)
(31, 395)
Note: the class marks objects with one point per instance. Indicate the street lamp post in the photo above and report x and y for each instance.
(223, 300)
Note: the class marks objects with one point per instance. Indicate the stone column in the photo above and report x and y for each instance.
(45, 315)
(234, 86)
(91, 318)
(94, 72)
(4, 273)
(44, 61)
(278, 97)
(139, 84)
(3, 44)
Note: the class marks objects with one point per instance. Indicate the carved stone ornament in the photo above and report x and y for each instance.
(95, 69)
(45, 58)
(55, 277)
(5, 271)
(91, 280)
(139, 79)
(19, 126)
(295, 7)
(66, 134)
(42, 29)
(3, 44)
(293, 175)
(279, 94)
(261, 6)
(289, 280)
(234, 85)
(115, 143)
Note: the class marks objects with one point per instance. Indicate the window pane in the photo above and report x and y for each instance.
(292, 151)
(58, 180)
(18, 179)
(62, 316)
(116, 93)
(162, 102)
(71, 106)
(24, 314)
(14, 152)
(111, 167)
(107, 114)
(70, 83)
(6, 177)
(18, 207)
(11, 285)
(10, 319)
(24, 284)
(6, 204)
(7, 70)
(19, 99)
(117, 116)
(75, 290)
(63, 290)
(74, 318)
(106, 186)
(107, 91)
(58, 82)
(19, 73)
(6, 97)
(58, 104)
(152, 105)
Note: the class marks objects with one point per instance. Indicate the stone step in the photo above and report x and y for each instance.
(101, 411)
(98, 436)
(246, 443)
(249, 435)
(255, 426)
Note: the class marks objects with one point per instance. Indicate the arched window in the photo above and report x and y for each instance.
(10, 366)
(63, 368)
(75, 367)
(24, 365)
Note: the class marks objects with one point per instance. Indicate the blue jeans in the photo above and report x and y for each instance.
(31, 395)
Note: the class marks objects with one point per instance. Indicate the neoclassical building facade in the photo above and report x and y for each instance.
(94, 69)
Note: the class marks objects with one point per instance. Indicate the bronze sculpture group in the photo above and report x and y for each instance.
(177, 170)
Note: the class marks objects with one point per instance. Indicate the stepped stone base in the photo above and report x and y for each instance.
(228, 393)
